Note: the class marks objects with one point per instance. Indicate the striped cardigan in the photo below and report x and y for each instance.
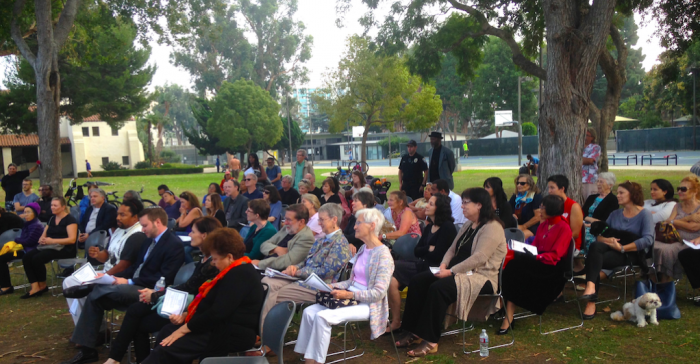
(380, 269)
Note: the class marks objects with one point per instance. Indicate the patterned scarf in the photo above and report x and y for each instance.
(208, 285)
(523, 198)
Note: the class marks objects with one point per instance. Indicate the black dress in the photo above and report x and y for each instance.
(140, 320)
(226, 321)
(221, 216)
(333, 199)
(442, 240)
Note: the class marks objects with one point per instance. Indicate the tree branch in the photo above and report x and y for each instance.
(17, 34)
(518, 58)
(65, 23)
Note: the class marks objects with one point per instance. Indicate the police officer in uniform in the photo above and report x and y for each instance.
(413, 172)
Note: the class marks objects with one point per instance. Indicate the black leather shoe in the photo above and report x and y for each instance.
(589, 297)
(9, 291)
(505, 331)
(33, 295)
(85, 355)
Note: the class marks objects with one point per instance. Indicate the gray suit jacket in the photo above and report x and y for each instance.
(446, 165)
(298, 247)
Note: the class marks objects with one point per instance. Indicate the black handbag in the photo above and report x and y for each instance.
(327, 300)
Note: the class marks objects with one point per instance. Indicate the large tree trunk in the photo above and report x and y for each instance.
(48, 80)
(363, 148)
(574, 44)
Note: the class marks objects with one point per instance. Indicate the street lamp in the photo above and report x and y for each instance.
(695, 70)
(520, 119)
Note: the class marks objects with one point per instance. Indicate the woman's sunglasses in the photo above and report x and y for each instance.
(682, 189)
(522, 183)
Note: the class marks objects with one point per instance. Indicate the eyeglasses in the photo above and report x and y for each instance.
(266, 192)
(358, 222)
(248, 179)
(464, 202)
(522, 183)
(682, 189)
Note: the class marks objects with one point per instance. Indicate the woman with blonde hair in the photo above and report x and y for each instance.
(304, 188)
(404, 219)
(313, 204)
(525, 203)
(686, 219)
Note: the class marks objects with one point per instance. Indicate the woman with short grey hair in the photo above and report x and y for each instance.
(598, 207)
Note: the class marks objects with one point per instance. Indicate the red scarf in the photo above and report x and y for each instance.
(554, 220)
(208, 285)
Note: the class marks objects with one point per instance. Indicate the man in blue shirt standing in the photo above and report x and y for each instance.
(88, 168)
(218, 164)
(274, 173)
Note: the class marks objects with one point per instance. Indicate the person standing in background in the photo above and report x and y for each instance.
(218, 164)
(12, 182)
(88, 168)
(466, 150)
(235, 166)
(591, 153)
(301, 168)
(442, 161)
(413, 172)
(274, 173)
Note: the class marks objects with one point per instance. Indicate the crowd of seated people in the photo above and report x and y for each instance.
(303, 230)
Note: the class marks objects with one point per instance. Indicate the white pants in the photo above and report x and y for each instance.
(75, 306)
(315, 331)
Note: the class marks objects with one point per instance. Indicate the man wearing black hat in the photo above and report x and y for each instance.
(442, 161)
(412, 172)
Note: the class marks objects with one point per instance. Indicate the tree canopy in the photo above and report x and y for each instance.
(368, 89)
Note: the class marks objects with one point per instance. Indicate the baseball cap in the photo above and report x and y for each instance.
(412, 143)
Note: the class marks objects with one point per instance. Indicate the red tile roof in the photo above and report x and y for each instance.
(96, 117)
(26, 140)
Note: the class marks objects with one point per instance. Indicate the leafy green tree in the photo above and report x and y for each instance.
(219, 51)
(203, 141)
(395, 142)
(529, 129)
(174, 101)
(367, 89)
(242, 113)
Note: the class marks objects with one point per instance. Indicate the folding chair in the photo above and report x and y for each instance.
(622, 272)
(405, 245)
(96, 238)
(498, 295)
(171, 224)
(275, 328)
(568, 260)
(514, 234)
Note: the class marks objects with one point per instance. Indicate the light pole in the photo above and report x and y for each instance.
(695, 70)
(520, 124)
(289, 129)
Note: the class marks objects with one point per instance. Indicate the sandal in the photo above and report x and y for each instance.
(408, 340)
(424, 349)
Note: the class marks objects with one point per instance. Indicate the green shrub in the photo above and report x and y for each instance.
(168, 156)
(166, 165)
(112, 166)
(143, 165)
(529, 129)
(143, 172)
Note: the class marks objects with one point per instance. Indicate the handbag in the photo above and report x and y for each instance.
(11, 247)
(666, 233)
(325, 299)
(667, 292)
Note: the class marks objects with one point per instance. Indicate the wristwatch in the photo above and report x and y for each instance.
(451, 271)
(622, 249)
(383, 236)
(423, 185)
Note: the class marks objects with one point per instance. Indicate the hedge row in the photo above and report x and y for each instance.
(143, 172)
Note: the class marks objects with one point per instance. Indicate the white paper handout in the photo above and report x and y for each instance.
(690, 244)
(174, 302)
(185, 238)
(316, 282)
(273, 273)
(522, 247)
(86, 275)
(435, 270)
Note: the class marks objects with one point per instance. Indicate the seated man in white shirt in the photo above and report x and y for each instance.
(121, 252)
(441, 186)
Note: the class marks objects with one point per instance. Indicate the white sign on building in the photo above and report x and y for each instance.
(357, 131)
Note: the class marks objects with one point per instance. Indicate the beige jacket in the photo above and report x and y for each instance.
(298, 249)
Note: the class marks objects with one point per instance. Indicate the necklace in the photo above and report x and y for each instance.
(469, 234)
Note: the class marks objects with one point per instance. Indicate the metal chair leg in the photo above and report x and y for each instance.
(345, 351)
(512, 335)
(580, 312)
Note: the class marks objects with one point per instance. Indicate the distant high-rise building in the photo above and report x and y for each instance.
(303, 96)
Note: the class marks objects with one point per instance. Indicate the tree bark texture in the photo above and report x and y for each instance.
(48, 80)
(576, 36)
(603, 119)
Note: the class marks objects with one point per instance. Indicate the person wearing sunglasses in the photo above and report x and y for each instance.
(608, 253)
(686, 219)
(525, 203)
(251, 189)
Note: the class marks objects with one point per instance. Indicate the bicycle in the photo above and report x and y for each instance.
(116, 201)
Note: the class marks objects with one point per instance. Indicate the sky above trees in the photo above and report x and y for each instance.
(329, 40)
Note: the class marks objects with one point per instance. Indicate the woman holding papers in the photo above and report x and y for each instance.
(140, 320)
(57, 242)
(533, 281)
(469, 267)
(436, 239)
(223, 318)
(367, 285)
(608, 253)
(29, 239)
(686, 219)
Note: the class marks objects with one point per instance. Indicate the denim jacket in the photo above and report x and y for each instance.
(326, 258)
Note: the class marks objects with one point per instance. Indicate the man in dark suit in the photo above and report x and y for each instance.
(235, 205)
(99, 215)
(161, 255)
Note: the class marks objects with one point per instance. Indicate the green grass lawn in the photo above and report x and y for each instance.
(42, 327)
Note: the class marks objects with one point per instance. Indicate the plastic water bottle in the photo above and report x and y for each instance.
(160, 286)
(483, 344)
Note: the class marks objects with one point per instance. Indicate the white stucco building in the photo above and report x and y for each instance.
(93, 140)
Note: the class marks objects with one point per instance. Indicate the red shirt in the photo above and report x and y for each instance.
(552, 244)
(566, 216)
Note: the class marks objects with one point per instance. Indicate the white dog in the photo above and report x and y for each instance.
(635, 311)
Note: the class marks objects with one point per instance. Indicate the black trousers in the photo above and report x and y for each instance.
(412, 190)
(35, 262)
(139, 322)
(427, 302)
(689, 259)
(5, 280)
(193, 346)
(602, 256)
